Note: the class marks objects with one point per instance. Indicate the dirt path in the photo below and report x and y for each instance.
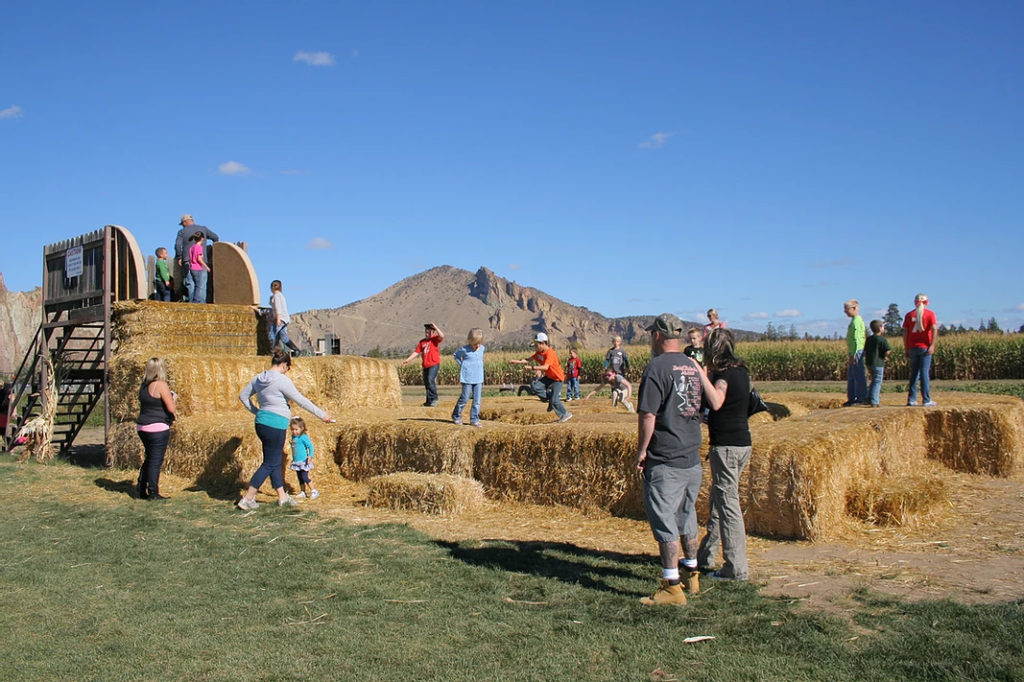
(972, 552)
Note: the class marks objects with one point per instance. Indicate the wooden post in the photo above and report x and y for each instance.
(108, 237)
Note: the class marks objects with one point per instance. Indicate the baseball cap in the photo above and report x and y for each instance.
(668, 325)
(187, 216)
(540, 338)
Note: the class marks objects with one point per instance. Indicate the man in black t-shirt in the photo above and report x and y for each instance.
(668, 455)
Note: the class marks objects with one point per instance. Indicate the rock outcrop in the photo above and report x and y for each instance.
(20, 314)
(508, 312)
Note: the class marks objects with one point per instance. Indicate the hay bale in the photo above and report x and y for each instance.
(209, 384)
(371, 448)
(218, 452)
(587, 466)
(428, 493)
(158, 328)
(984, 439)
(898, 500)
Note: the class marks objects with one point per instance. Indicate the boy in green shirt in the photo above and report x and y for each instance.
(162, 277)
(856, 383)
(875, 350)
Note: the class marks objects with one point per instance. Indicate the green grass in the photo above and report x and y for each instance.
(97, 585)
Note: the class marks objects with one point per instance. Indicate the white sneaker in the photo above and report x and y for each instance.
(629, 405)
(300, 496)
(565, 417)
(315, 494)
(288, 501)
(248, 505)
(931, 403)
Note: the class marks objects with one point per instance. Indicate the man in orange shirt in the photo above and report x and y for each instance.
(546, 360)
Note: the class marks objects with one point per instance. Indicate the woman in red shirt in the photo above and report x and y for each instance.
(920, 331)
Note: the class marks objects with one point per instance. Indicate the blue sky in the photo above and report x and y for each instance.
(767, 159)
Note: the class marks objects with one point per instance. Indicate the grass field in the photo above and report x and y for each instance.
(97, 585)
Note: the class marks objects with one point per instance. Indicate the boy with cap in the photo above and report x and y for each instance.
(546, 360)
(668, 454)
(429, 348)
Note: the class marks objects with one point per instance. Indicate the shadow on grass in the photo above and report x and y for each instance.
(126, 487)
(89, 456)
(561, 561)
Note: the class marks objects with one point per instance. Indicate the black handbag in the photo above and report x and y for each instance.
(756, 403)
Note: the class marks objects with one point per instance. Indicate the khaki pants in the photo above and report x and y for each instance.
(725, 521)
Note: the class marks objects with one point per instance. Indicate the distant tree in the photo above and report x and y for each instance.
(893, 321)
(961, 329)
(943, 330)
(1021, 330)
(375, 352)
(770, 332)
(993, 326)
(792, 332)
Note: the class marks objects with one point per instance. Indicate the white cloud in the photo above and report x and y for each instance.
(13, 111)
(756, 316)
(314, 58)
(319, 244)
(655, 140)
(1019, 307)
(233, 168)
(788, 312)
(514, 266)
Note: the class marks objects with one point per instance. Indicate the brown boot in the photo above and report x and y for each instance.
(692, 582)
(666, 594)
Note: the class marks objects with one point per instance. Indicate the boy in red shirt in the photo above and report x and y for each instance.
(546, 360)
(572, 376)
(429, 348)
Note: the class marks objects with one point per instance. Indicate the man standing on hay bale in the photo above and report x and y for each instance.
(429, 348)
(668, 455)
(188, 228)
(546, 360)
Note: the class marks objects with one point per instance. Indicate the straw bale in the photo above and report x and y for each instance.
(218, 452)
(373, 448)
(898, 500)
(587, 466)
(208, 384)
(978, 439)
(442, 494)
(160, 328)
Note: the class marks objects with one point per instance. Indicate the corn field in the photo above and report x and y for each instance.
(962, 357)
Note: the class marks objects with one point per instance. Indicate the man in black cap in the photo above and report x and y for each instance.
(188, 228)
(668, 455)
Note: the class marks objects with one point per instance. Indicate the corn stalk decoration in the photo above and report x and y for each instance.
(37, 433)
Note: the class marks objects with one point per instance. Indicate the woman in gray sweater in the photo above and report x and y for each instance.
(273, 391)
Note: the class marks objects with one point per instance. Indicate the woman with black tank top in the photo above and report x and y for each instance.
(729, 436)
(156, 412)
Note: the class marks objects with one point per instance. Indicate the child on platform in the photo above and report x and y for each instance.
(470, 359)
(695, 350)
(302, 459)
(876, 348)
(572, 375)
(616, 359)
(162, 276)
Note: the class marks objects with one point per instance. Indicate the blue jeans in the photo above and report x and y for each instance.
(163, 292)
(856, 381)
(273, 454)
(195, 283)
(554, 389)
(474, 412)
(875, 391)
(278, 335)
(573, 387)
(155, 444)
(920, 364)
(430, 382)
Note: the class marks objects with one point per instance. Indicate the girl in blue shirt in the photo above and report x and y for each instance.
(302, 459)
(470, 359)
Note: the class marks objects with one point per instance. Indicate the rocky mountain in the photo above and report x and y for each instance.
(456, 300)
(20, 313)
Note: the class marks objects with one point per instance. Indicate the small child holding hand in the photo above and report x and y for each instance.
(302, 459)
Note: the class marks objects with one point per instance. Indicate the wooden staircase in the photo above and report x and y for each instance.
(77, 355)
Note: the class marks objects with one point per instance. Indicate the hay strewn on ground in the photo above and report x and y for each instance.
(428, 493)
